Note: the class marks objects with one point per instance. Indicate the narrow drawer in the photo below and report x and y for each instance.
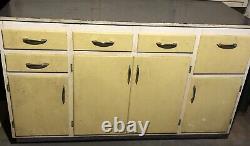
(26, 62)
(166, 43)
(222, 54)
(26, 39)
(102, 41)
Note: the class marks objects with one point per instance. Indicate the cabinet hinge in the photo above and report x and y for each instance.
(13, 124)
(190, 68)
(230, 121)
(71, 67)
(240, 88)
(8, 87)
(72, 123)
(179, 123)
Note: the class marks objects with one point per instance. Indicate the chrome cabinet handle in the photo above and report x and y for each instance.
(34, 42)
(137, 74)
(129, 74)
(36, 66)
(63, 95)
(194, 94)
(227, 46)
(166, 46)
(103, 44)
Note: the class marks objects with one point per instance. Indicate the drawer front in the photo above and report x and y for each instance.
(222, 54)
(25, 39)
(166, 43)
(36, 62)
(103, 41)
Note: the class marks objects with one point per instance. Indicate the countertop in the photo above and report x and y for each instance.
(124, 11)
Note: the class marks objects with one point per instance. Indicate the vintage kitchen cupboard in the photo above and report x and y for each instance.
(183, 71)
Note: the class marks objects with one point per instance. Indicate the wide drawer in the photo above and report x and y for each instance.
(102, 41)
(222, 54)
(42, 39)
(166, 43)
(26, 62)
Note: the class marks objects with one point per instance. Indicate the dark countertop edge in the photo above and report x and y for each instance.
(68, 21)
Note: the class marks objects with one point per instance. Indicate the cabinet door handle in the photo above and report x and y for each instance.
(36, 66)
(63, 95)
(166, 46)
(34, 42)
(129, 74)
(103, 44)
(137, 74)
(194, 94)
(227, 46)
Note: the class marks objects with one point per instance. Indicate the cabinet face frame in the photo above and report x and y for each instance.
(135, 30)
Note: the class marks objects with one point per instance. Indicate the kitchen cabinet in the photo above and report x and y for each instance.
(101, 91)
(34, 39)
(180, 68)
(213, 48)
(39, 104)
(158, 90)
(208, 108)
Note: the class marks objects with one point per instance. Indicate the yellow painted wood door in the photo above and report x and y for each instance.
(157, 96)
(210, 104)
(40, 104)
(101, 91)
(222, 54)
(34, 39)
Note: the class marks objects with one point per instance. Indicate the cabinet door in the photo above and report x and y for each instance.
(101, 91)
(157, 96)
(222, 54)
(210, 104)
(40, 104)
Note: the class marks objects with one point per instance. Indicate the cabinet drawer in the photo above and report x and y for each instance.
(25, 39)
(36, 62)
(102, 41)
(222, 54)
(165, 43)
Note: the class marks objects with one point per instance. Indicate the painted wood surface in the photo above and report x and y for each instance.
(210, 104)
(37, 104)
(162, 43)
(51, 40)
(212, 58)
(159, 91)
(101, 91)
(115, 41)
(23, 62)
(99, 55)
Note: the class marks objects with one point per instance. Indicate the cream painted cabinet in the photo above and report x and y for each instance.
(210, 104)
(101, 91)
(34, 39)
(222, 54)
(158, 91)
(39, 104)
(67, 82)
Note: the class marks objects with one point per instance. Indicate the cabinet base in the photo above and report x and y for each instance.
(105, 138)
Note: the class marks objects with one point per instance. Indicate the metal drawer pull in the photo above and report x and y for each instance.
(63, 95)
(129, 74)
(227, 46)
(194, 94)
(166, 46)
(137, 74)
(34, 42)
(36, 66)
(103, 44)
